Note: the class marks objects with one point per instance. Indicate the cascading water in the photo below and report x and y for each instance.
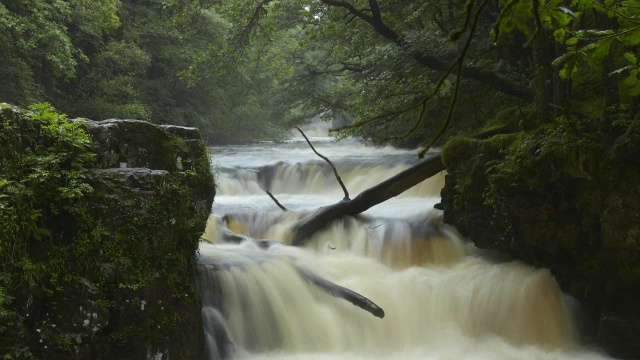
(441, 298)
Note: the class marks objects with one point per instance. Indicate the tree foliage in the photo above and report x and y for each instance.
(415, 71)
(164, 61)
(598, 38)
(389, 66)
(244, 70)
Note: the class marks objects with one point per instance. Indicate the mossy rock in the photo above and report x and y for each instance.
(131, 143)
(112, 225)
(563, 196)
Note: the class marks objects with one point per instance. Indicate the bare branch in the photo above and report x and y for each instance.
(385, 190)
(335, 171)
(276, 201)
(375, 20)
(467, 9)
(429, 61)
(323, 284)
(459, 61)
(375, 10)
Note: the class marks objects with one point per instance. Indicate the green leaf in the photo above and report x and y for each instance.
(602, 49)
(567, 11)
(631, 81)
(633, 84)
(569, 69)
(592, 63)
(631, 57)
(564, 57)
(559, 34)
(559, 19)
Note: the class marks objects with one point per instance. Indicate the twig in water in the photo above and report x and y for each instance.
(276, 201)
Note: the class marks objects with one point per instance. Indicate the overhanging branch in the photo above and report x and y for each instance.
(335, 171)
(430, 61)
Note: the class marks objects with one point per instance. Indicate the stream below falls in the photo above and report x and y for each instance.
(442, 297)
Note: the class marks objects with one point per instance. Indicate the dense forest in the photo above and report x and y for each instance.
(529, 99)
(243, 71)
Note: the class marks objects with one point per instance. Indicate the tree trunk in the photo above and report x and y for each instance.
(542, 76)
(387, 189)
(561, 87)
(611, 95)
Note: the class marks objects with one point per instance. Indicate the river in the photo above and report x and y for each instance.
(442, 297)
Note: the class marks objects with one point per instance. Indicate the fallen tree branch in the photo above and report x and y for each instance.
(228, 236)
(394, 186)
(276, 201)
(335, 171)
(323, 284)
(343, 293)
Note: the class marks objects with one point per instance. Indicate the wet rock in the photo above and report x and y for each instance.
(112, 267)
(152, 210)
(130, 143)
(559, 199)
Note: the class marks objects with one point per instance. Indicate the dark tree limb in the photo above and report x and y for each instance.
(460, 60)
(342, 292)
(228, 236)
(276, 201)
(323, 284)
(394, 186)
(375, 21)
(258, 12)
(335, 171)
(430, 61)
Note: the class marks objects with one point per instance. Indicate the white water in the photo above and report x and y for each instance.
(441, 299)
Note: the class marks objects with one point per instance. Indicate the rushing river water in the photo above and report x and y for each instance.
(441, 297)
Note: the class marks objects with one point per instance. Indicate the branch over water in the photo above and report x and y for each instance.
(335, 171)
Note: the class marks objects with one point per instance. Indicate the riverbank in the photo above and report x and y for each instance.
(100, 228)
(563, 196)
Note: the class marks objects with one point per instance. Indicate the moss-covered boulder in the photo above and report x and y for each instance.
(99, 226)
(564, 196)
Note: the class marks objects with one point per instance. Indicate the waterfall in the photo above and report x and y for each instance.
(441, 298)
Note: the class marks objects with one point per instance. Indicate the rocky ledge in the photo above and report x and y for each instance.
(110, 264)
(564, 196)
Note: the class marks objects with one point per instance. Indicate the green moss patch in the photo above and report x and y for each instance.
(97, 259)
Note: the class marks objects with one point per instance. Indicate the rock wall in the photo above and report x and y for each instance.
(564, 196)
(121, 252)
